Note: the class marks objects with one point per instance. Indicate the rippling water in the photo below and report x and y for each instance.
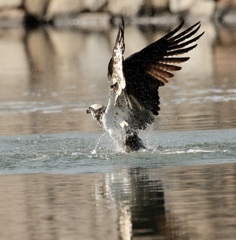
(62, 178)
(90, 153)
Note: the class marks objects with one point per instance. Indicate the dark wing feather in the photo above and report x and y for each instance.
(147, 70)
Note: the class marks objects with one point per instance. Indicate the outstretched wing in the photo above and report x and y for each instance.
(148, 69)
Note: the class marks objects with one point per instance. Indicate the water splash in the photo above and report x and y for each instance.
(95, 152)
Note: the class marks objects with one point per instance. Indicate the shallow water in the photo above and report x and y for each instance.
(70, 186)
(77, 153)
(62, 178)
(180, 202)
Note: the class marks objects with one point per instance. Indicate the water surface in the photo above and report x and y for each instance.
(196, 202)
(76, 153)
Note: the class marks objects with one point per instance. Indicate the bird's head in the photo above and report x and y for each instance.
(96, 111)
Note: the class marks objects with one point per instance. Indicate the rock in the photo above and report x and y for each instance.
(166, 19)
(223, 4)
(229, 18)
(154, 8)
(225, 10)
(93, 5)
(177, 6)
(204, 8)
(36, 7)
(11, 17)
(200, 8)
(61, 7)
(124, 7)
(159, 3)
(87, 21)
(10, 3)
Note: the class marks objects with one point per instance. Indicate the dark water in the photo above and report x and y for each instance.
(62, 178)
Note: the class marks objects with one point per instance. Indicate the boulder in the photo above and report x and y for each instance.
(10, 3)
(93, 5)
(229, 18)
(36, 7)
(124, 7)
(61, 7)
(86, 21)
(200, 8)
(11, 17)
(180, 5)
(203, 8)
(222, 4)
(159, 3)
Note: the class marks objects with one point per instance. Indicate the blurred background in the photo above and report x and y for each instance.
(54, 56)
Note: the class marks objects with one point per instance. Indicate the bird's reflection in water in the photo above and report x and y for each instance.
(140, 206)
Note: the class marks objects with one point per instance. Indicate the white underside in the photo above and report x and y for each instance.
(117, 112)
(115, 119)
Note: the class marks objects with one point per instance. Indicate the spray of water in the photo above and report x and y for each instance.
(94, 151)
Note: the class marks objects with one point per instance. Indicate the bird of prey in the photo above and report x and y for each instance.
(134, 83)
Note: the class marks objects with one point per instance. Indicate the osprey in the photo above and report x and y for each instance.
(134, 83)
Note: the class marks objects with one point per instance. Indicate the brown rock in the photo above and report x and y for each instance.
(11, 17)
(36, 7)
(222, 4)
(200, 8)
(61, 7)
(10, 3)
(159, 3)
(87, 21)
(93, 5)
(124, 7)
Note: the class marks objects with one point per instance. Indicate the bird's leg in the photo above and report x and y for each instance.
(132, 141)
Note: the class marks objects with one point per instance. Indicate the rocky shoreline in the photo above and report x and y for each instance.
(96, 14)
